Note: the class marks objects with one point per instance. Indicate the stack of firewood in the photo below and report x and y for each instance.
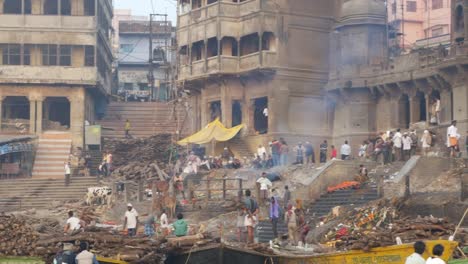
(16, 237)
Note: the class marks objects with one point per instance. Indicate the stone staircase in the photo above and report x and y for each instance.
(264, 230)
(146, 119)
(240, 148)
(52, 151)
(40, 193)
(348, 197)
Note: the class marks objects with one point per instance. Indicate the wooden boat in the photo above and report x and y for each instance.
(223, 254)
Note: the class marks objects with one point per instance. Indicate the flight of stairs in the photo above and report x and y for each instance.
(240, 148)
(53, 150)
(146, 119)
(41, 193)
(96, 159)
(352, 197)
(264, 230)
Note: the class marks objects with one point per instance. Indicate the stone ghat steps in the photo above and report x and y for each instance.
(146, 119)
(52, 152)
(264, 230)
(353, 197)
(40, 193)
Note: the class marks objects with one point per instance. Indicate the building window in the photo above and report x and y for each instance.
(128, 86)
(11, 54)
(437, 32)
(89, 8)
(12, 7)
(411, 6)
(89, 55)
(51, 7)
(27, 54)
(437, 4)
(65, 7)
(126, 48)
(143, 86)
(394, 8)
(49, 55)
(65, 55)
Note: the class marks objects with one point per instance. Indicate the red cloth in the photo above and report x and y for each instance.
(344, 185)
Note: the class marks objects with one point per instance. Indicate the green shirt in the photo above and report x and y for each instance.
(180, 227)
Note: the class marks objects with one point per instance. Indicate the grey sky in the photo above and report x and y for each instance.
(144, 7)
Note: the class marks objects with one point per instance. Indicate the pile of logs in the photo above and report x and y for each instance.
(148, 150)
(105, 244)
(16, 237)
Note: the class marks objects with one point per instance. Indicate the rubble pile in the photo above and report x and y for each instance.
(139, 158)
(381, 224)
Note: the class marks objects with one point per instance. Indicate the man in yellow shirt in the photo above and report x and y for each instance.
(127, 129)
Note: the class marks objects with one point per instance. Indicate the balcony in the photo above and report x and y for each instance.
(228, 65)
(225, 8)
(48, 74)
(40, 22)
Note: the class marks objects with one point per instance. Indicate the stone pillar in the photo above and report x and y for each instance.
(278, 107)
(32, 115)
(39, 116)
(77, 113)
(446, 106)
(1, 112)
(428, 108)
(394, 113)
(460, 106)
(1, 6)
(226, 106)
(415, 109)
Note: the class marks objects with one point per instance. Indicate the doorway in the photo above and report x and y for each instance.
(236, 113)
(261, 115)
(56, 113)
(215, 110)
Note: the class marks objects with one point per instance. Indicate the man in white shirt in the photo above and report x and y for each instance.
(131, 220)
(85, 257)
(397, 145)
(452, 138)
(73, 224)
(261, 150)
(416, 257)
(164, 223)
(437, 252)
(345, 151)
(407, 142)
(67, 172)
(265, 184)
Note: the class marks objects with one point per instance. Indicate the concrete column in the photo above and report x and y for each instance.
(39, 115)
(226, 106)
(278, 108)
(428, 109)
(446, 106)
(460, 106)
(1, 112)
(32, 116)
(1, 6)
(414, 109)
(77, 113)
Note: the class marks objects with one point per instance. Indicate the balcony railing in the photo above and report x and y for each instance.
(228, 64)
(225, 8)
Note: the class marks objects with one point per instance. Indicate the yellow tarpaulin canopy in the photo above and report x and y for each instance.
(213, 131)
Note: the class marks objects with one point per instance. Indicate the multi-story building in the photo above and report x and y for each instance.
(320, 69)
(262, 63)
(421, 23)
(134, 58)
(55, 68)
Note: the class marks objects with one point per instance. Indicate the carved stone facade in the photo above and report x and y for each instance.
(322, 66)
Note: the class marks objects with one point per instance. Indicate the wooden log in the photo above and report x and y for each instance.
(185, 240)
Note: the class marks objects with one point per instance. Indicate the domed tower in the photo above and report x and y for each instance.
(360, 34)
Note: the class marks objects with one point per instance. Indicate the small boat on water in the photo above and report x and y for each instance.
(223, 254)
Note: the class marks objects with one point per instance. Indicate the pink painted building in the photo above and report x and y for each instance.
(425, 22)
